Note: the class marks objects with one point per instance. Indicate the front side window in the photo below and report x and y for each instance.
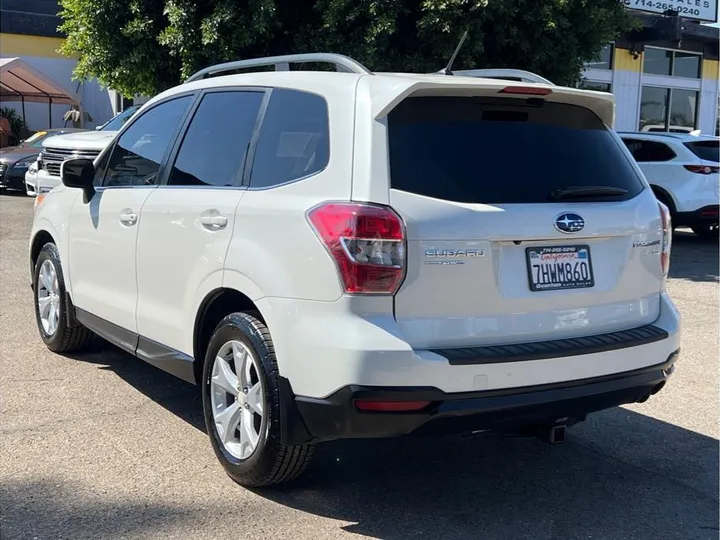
(294, 139)
(215, 146)
(136, 158)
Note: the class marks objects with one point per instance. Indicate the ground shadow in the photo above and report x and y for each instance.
(620, 475)
(623, 475)
(693, 258)
(53, 510)
(177, 396)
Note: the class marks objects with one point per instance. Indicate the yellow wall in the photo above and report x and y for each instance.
(711, 69)
(624, 60)
(19, 45)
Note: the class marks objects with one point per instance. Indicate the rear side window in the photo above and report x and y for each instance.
(497, 150)
(215, 145)
(294, 139)
(647, 151)
(705, 150)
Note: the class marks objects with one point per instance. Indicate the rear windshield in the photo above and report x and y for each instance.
(495, 151)
(705, 150)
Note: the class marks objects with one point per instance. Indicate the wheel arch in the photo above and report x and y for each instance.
(39, 239)
(213, 308)
(664, 196)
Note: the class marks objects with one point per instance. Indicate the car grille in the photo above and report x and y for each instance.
(52, 158)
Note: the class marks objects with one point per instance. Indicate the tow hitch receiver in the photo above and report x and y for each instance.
(556, 433)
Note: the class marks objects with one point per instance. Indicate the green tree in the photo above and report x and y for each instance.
(146, 46)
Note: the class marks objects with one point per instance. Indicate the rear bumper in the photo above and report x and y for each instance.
(707, 215)
(336, 417)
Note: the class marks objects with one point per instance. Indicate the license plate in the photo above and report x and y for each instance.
(559, 267)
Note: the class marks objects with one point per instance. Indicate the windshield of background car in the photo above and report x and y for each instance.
(35, 140)
(116, 123)
(705, 150)
(503, 151)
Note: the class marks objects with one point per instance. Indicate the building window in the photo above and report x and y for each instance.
(594, 85)
(673, 63)
(686, 65)
(604, 60)
(668, 109)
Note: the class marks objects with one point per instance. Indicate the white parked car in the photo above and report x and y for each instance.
(357, 255)
(85, 144)
(683, 172)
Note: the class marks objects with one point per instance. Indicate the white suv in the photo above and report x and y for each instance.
(355, 254)
(682, 170)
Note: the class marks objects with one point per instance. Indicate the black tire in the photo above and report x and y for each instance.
(272, 462)
(66, 338)
(706, 232)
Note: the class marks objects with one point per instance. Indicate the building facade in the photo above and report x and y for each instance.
(28, 30)
(664, 77)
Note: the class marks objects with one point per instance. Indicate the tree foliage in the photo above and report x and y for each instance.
(146, 46)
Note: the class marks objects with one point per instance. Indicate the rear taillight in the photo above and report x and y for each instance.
(666, 238)
(702, 169)
(367, 242)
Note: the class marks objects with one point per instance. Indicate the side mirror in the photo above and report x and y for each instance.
(79, 173)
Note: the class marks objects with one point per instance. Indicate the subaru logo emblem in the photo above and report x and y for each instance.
(569, 223)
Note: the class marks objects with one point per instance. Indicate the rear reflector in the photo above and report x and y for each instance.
(702, 169)
(390, 406)
(526, 90)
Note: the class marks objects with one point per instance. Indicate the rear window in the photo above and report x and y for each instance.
(705, 150)
(497, 150)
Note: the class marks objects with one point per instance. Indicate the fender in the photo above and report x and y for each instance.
(44, 225)
(232, 279)
(53, 216)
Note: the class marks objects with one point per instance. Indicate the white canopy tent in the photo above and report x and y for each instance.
(19, 81)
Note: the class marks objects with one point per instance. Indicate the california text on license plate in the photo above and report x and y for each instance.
(559, 267)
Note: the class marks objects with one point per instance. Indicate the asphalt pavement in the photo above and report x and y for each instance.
(103, 446)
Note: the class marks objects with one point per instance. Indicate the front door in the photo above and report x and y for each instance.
(104, 231)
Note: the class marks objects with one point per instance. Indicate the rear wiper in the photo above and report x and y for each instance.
(587, 191)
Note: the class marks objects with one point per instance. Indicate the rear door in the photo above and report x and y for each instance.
(189, 219)
(526, 220)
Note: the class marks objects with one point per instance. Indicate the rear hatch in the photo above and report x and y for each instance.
(526, 221)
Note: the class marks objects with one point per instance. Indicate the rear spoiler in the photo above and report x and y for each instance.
(386, 97)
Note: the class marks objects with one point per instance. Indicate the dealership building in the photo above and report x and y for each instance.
(664, 75)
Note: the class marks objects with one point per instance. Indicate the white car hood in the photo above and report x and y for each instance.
(86, 140)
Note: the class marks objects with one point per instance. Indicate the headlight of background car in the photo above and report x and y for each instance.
(25, 162)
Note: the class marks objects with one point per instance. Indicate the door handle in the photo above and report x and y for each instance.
(214, 222)
(128, 217)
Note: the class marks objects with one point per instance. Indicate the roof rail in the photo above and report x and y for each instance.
(504, 73)
(282, 63)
